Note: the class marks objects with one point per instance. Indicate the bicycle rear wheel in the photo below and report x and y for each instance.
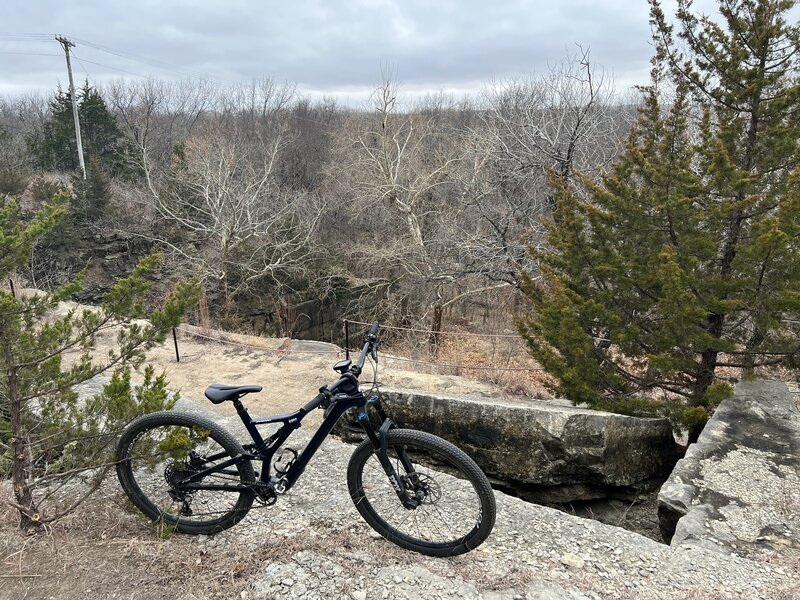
(457, 506)
(158, 452)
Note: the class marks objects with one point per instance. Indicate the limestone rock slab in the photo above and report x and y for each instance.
(545, 452)
(738, 488)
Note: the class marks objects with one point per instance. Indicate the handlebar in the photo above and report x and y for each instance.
(369, 344)
(318, 400)
(351, 376)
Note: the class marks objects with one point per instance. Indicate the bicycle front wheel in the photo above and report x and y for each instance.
(456, 509)
(157, 453)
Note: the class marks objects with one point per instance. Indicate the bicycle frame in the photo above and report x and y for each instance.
(188, 472)
(264, 450)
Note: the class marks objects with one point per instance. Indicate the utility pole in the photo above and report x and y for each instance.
(66, 44)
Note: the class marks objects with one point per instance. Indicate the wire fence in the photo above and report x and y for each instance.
(432, 332)
(494, 357)
(386, 357)
(276, 351)
(487, 352)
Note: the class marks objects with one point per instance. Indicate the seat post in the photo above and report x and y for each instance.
(239, 406)
(248, 422)
(243, 414)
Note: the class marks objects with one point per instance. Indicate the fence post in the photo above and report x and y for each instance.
(175, 339)
(346, 339)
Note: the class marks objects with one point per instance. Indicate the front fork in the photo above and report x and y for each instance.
(380, 443)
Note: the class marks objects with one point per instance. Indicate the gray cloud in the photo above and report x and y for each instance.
(324, 46)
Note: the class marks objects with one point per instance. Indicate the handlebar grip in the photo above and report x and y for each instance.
(374, 329)
(315, 403)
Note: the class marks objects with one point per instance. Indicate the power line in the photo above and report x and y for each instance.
(44, 37)
(23, 41)
(91, 62)
(83, 66)
(27, 36)
(129, 55)
(29, 53)
(161, 64)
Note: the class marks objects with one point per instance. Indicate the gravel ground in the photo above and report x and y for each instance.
(318, 547)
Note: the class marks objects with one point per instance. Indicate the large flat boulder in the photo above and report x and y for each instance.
(737, 490)
(544, 452)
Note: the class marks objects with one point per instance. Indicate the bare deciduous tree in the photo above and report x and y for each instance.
(560, 122)
(239, 226)
(158, 116)
(208, 157)
(408, 173)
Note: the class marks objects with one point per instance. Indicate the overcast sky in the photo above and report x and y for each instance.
(334, 47)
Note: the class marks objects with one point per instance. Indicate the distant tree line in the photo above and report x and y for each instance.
(274, 199)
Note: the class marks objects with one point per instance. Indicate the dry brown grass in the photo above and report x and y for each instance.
(102, 551)
(485, 349)
(502, 361)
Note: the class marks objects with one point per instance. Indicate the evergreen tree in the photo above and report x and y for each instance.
(48, 436)
(56, 147)
(90, 196)
(102, 137)
(685, 258)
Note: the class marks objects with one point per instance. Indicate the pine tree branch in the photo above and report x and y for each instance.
(76, 342)
(97, 369)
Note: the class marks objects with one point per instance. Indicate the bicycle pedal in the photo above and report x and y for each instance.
(267, 500)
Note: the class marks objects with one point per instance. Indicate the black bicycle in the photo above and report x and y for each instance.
(415, 489)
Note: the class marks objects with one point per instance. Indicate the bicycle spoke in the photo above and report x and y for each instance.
(181, 453)
(436, 519)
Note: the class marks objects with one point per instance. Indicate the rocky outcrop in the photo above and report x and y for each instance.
(314, 545)
(109, 257)
(544, 452)
(738, 488)
(318, 547)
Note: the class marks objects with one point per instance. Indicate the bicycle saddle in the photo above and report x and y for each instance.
(218, 392)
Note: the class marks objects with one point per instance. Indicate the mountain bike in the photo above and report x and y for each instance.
(417, 490)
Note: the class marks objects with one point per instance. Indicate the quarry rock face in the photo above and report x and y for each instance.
(543, 452)
(737, 490)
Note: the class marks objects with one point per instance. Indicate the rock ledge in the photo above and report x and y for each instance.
(545, 452)
(737, 490)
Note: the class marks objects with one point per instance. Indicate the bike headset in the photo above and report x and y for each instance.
(348, 383)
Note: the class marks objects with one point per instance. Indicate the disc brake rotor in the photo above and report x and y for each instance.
(427, 489)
